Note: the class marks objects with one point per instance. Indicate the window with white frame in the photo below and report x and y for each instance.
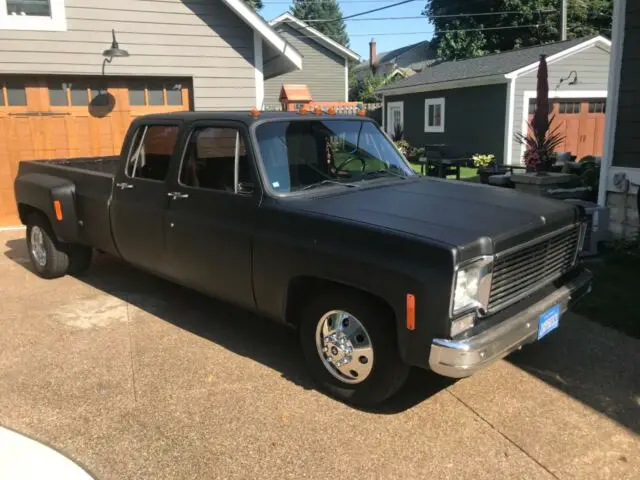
(434, 115)
(45, 15)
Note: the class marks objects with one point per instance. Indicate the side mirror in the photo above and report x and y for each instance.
(245, 188)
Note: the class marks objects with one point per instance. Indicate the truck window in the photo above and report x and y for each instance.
(151, 152)
(210, 159)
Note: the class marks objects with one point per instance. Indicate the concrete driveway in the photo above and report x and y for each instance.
(133, 377)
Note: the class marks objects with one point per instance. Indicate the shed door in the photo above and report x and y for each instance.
(581, 121)
(56, 117)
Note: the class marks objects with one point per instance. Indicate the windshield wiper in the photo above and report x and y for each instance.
(325, 182)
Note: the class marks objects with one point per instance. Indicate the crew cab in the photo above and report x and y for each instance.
(317, 221)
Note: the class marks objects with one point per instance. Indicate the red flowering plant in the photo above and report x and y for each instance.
(539, 140)
(539, 147)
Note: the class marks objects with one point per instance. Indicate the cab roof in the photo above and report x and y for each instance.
(246, 117)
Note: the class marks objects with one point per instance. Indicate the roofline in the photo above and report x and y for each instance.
(562, 54)
(493, 79)
(316, 35)
(266, 32)
(448, 85)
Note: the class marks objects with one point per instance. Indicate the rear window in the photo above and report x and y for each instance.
(151, 152)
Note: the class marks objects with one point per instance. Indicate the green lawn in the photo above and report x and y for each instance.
(616, 286)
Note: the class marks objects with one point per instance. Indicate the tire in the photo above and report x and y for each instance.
(47, 258)
(377, 379)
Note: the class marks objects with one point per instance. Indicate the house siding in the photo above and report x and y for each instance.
(626, 153)
(592, 66)
(198, 39)
(474, 119)
(322, 70)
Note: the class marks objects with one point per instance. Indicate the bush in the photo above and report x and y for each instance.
(590, 175)
(483, 161)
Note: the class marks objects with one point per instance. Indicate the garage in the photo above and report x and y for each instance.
(56, 117)
(580, 121)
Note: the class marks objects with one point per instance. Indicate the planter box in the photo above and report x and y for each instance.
(485, 173)
(540, 184)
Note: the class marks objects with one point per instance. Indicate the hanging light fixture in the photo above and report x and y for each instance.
(115, 50)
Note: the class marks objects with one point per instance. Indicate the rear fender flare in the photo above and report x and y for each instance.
(36, 191)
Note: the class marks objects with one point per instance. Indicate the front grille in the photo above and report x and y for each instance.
(520, 272)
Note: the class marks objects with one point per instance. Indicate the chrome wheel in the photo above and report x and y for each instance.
(344, 346)
(38, 250)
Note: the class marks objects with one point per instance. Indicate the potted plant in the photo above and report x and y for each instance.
(539, 140)
(487, 166)
(403, 146)
(539, 147)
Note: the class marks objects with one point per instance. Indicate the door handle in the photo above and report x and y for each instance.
(123, 185)
(177, 195)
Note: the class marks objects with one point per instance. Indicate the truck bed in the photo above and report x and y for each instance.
(107, 165)
(93, 178)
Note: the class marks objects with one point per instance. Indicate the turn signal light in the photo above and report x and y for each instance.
(57, 207)
(411, 311)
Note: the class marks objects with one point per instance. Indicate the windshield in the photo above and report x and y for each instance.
(304, 154)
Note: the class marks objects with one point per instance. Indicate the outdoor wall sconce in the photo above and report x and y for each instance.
(572, 82)
(114, 51)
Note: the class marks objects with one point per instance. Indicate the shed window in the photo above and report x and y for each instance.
(12, 94)
(434, 115)
(35, 8)
(155, 94)
(569, 106)
(74, 93)
(598, 106)
(46, 15)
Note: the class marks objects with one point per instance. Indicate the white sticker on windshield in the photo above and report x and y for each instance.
(276, 184)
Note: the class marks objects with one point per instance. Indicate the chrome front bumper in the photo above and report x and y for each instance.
(462, 358)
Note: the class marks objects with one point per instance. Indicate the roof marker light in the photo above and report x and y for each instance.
(317, 111)
(255, 113)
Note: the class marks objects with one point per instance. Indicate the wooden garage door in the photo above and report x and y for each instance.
(581, 121)
(46, 118)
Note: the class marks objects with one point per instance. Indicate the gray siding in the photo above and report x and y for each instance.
(592, 66)
(198, 39)
(627, 141)
(624, 210)
(322, 70)
(474, 119)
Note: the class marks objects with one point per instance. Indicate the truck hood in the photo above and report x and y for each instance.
(476, 219)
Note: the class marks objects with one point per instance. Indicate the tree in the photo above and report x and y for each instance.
(585, 17)
(256, 5)
(363, 90)
(325, 10)
(460, 44)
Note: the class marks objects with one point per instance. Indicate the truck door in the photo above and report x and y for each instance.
(139, 201)
(212, 211)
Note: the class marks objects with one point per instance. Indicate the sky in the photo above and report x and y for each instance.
(389, 34)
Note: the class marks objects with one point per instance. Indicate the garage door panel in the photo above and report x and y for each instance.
(41, 131)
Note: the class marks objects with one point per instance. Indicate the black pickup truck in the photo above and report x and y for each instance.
(319, 222)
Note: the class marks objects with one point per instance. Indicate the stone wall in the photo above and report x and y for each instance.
(623, 208)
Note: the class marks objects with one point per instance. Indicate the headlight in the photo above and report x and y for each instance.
(471, 286)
